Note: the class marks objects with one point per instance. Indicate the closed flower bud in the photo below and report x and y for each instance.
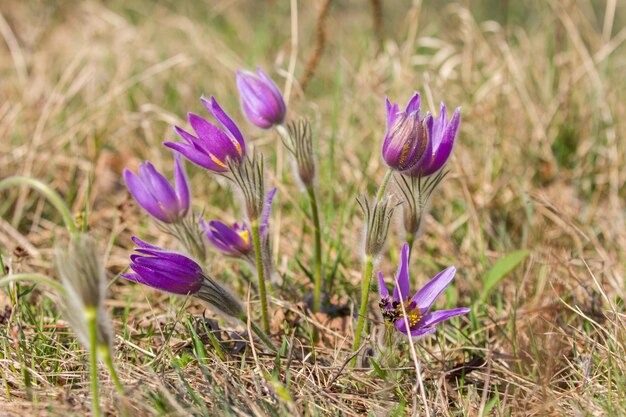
(155, 194)
(406, 138)
(261, 100)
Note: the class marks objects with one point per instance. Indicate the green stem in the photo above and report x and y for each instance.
(47, 192)
(383, 185)
(260, 333)
(317, 290)
(92, 318)
(38, 278)
(105, 355)
(365, 290)
(256, 239)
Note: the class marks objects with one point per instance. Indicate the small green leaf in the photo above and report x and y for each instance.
(501, 269)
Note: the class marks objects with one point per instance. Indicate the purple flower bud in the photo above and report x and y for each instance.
(212, 146)
(236, 240)
(420, 320)
(155, 194)
(406, 138)
(164, 270)
(261, 100)
(441, 134)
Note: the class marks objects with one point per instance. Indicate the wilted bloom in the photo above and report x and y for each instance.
(175, 273)
(406, 138)
(155, 194)
(261, 100)
(82, 275)
(212, 147)
(236, 240)
(421, 321)
(441, 134)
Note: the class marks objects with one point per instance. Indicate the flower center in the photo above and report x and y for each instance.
(392, 311)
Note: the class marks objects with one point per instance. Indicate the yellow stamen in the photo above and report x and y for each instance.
(245, 235)
(217, 161)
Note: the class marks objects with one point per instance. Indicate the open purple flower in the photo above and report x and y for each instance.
(236, 240)
(406, 138)
(212, 146)
(421, 321)
(441, 134)
(261, 100)
(156, 195)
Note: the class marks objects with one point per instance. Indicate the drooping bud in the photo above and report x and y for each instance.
(261, 100)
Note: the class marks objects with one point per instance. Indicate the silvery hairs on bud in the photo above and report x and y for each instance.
(299, 142)
(249, 176)
(220, 298)
(416, 192)
(377, 217)
(83, 277)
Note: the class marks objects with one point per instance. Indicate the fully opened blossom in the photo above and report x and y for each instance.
(176, 273)
(212, 146)
(406, 138)
(236, 240)
(441, 134)
(421, 321)
(261, 100)
(156, 195)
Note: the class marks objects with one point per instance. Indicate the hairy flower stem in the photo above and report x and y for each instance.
(383, 185)
(365, 291)
(259, 332)
(317, 276)
(54, 198)
(256, 239)
(92, 318)
(104, 351)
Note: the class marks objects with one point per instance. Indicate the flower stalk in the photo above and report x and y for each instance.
(91, 314)
(317, 254)
(365, 290)
(258, 254)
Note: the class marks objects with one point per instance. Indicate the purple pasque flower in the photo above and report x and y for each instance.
(406, 137)
(236, 240)
(212, 146)
(156, 195)
(441, 134)
(421, 321)
(164, 270)
(261, 100)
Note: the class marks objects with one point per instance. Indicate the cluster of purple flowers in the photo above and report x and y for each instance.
(414, 146)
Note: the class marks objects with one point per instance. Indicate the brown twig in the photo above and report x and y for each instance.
(320, 45)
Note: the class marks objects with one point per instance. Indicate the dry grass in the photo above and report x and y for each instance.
(87, 88)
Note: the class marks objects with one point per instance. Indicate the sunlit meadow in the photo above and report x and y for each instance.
(262, 208)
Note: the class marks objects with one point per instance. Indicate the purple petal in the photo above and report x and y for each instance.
(426, 296)
(446, 144)
(214, 108)
(392, 112)
(213, 140)
(145, 199)
(413, 104)
(163, 282)
(422, 331)
(181, 184)
(431, 319)
(195, 155)
(160, 188)
(401, 291)
(382, 288)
